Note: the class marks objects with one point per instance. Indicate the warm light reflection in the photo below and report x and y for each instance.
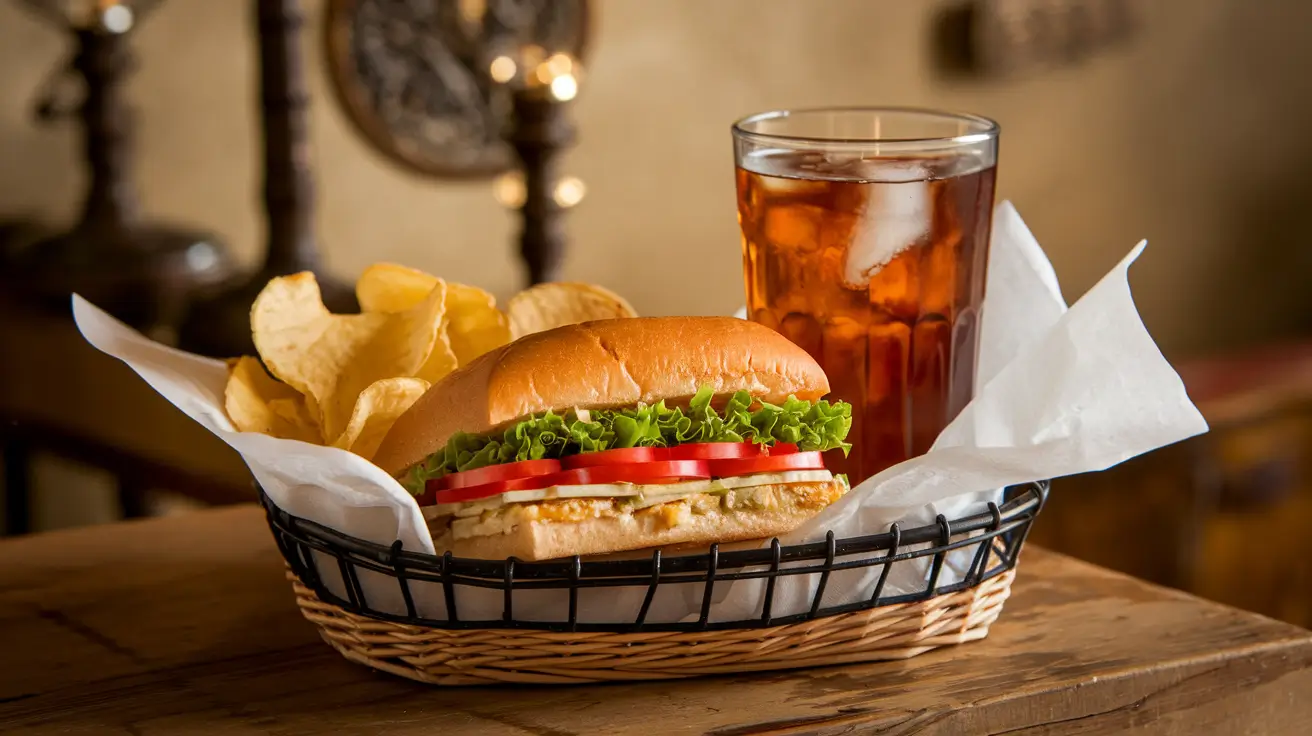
(472, 11)
(569, 192)
(503, 69)
(564, 87)
(508, 190)
(117, 19)
(114, 16)
(560, 64)
(556, 75)
(532, 56)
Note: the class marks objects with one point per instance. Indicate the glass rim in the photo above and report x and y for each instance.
(989, 128)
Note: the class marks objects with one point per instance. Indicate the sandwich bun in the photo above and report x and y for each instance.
(604, 364)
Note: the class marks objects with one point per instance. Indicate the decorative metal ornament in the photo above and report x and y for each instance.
(429, 83)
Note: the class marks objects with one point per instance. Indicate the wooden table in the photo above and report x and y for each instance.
(186, 625)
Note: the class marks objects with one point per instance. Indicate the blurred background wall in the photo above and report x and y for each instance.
(1191, 135)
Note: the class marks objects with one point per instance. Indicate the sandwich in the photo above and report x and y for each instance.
(620, 435)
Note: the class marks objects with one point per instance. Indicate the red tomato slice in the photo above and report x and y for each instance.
(767, 464)
(716, 450)
(618, 456)
(693, 451)
(495, 473)
(486, 490)
(728, 450)
(652, 472)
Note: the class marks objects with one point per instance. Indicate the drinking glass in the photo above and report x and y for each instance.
(865, 237)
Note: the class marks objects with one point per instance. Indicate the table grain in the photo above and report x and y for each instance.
(187, 625)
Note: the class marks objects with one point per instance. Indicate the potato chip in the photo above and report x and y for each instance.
(252, 399)
(442, 360)
(375, 411)
(551, 305)
(296, 410)
(387, 287)
(473, 325)
(333, 358)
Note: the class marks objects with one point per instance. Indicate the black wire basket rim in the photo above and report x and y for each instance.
(1026, 502)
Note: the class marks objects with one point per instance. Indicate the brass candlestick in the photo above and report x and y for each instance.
(142, 272)
(540, 131)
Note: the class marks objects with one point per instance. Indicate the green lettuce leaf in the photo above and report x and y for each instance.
(819, 425)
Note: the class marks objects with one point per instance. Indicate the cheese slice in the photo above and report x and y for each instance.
(643, 495)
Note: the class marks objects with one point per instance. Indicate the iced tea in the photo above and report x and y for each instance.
(874, 263)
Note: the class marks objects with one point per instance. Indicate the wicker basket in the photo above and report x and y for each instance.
(495, 656)
(427, 631)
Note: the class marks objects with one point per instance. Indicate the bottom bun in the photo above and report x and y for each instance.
(673, 523)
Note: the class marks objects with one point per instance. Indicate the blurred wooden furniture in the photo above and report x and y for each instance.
(66, 399)
(60, 396)
(1227, 515)
(142, 272)
(218, 323)
(187, 625)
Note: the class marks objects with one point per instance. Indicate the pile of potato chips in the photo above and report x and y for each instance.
(343, 379)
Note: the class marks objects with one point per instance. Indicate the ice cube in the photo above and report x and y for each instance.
(843, 355)
(780, 173)
(761, 316)
(895, 171)
(894, 289)
(836, 228)
(897, 214)
(790, 186)
(885, 425)
(938, 274)
(793, 226)
(890, 356)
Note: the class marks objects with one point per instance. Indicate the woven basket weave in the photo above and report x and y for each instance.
(493, 656)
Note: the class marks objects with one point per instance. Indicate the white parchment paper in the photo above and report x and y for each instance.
(1059, 392)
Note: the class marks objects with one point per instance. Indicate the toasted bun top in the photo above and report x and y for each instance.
(602, 365)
